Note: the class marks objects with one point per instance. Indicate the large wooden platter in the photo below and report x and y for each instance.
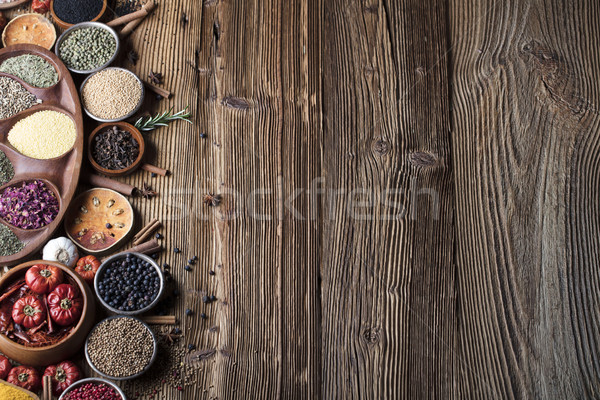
(12, 4)
(62, 173)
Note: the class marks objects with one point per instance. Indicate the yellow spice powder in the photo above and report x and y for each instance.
(10, 393)
(43, 135)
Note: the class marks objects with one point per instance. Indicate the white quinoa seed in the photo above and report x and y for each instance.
(111, 94)
(43, 135)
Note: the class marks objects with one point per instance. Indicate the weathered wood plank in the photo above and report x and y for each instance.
(525, 151)
(388, 277)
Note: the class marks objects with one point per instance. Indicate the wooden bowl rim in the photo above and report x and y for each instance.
(25, 15)
(80, 282)
(66, 25)
(135, 132)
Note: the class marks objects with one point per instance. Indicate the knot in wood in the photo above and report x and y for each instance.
(237, 103)
(422, 159)
(381, 147)
(371, 335)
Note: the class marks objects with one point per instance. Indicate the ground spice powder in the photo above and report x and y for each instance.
(10, 393)
(43, 135)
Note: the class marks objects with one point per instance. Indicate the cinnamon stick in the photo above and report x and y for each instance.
(142, 13)
(47, 386)
(158, 90)
(130, 27)
(155, 169)
(149, 247)
(145, 233)
(102, 181)
(160, 319)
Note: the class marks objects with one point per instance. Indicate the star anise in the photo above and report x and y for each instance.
(212, 200)
(133, 57)
(155, 77)
(170, 336)
(147, 191)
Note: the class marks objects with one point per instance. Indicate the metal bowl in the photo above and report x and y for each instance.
(124, 117)
(93, 380)
(88, 25)
(119, 256)
(122, 378)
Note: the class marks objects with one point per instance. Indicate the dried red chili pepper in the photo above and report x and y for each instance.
(87, 268)
(43, 278)
(5, 367)
(25, 377)
(63, 375)
(28, 312)
(40, 6)
(65, 304)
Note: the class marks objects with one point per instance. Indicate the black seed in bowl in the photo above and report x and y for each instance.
(129, 284)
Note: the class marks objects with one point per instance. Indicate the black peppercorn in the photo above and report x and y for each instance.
(176, 250)
(153, 175)
(203, 135)
(177, 331)
(191, 261)
(191, 347)
(166, 266)
(195, 258)
(108, 226)
(176, 292)
(213, 298)
(211, 272)
(187, 268)
(205, 299)
(158, 236)
(203, 316)
(188, 312)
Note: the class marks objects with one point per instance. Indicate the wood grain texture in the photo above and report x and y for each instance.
(388, 322)
(525, 147)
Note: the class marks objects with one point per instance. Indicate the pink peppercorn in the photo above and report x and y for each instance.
(92, 391)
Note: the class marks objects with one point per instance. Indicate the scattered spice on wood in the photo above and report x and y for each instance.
(184, 19)
(115, 149)
(133, 57)
(147, 192)
(212, 200)
(155, 77)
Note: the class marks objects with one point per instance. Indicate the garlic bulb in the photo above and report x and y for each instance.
(62, 250)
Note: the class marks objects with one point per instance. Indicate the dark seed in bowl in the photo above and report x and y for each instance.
(129, 284)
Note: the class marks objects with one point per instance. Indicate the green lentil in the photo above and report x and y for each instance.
(9, 242)
(32, 69)
(7, 172)
(14, 98)
(87, 48)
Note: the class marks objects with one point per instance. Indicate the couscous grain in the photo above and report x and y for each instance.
(43, 135)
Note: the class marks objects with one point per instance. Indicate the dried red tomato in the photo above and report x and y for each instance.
(63, 375)
(43, 278)
(5, 367)
(87, 268)
(40, 6)
(25, 377)
(28, 311)
(65, 304)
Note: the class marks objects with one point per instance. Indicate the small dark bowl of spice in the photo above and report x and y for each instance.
(116, 148)
(67, 13)
(91, 389)
(129, 283)
(121, 348)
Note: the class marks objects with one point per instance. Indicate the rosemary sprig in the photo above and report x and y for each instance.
(162, 119)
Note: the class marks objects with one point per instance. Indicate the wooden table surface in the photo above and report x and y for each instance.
(410, 195)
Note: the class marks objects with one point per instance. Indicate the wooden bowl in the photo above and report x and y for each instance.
(65, 25)
(64, 349)
(15, 28)
(27, 392)
(62, 172)
(137, 135)
(98, 239)
(12, 4)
